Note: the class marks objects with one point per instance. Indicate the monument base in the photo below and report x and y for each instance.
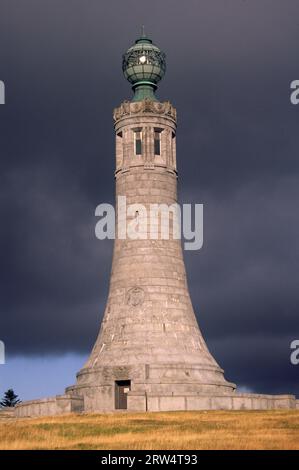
(152, 388)
(146, 402)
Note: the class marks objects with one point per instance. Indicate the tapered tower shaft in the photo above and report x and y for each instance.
(149, 345)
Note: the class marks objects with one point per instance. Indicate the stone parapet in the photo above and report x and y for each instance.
(130, 108)
(7, 413)
(194, 402)
(58, 405)
(152, 402)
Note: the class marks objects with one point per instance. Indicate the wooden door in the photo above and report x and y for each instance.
(122, 387)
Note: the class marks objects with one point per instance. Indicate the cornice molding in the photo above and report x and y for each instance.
(129, 108)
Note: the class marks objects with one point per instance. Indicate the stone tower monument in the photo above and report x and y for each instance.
(150, 354)
(149, 346)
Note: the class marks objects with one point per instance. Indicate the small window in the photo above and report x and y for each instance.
(119, 150)
(157, 137)
(138, 141)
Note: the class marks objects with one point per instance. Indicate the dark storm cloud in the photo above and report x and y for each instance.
(230, 65)
(244, 282)
(261, 363)
(53, 277)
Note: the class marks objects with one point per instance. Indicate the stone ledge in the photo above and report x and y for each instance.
(188, 402)
(7, 413)
(153, 402)
(58, 405)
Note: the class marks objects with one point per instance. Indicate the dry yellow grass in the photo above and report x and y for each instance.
(157, 431)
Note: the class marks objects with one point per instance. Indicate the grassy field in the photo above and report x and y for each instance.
(174, 430)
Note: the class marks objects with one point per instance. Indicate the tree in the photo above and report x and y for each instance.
(10, 399)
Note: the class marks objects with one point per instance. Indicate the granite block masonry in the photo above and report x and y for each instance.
(150, 354)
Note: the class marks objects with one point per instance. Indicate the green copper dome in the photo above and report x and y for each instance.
(144, 65)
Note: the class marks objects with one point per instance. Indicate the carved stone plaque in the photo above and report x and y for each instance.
(135, 296)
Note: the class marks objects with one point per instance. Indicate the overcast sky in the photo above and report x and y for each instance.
(229, 68)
